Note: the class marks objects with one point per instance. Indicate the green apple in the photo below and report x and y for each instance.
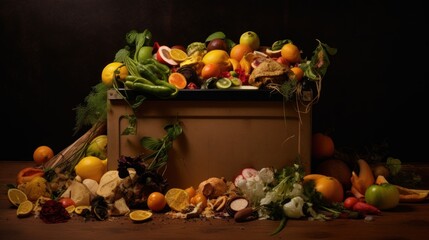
(250, 38)
(383, 196)
(144, 53)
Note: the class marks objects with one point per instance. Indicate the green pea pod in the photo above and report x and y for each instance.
(129, 84)
(143, 80)
(165, 84)
(146, 72)
(155, 70)
(155, 90)
(162, 67)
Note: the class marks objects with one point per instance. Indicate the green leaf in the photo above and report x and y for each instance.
(151, 143)
(215, 35)
(277, 45)
(282, 225)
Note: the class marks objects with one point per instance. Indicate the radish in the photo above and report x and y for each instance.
(237, 179)
(249, 172)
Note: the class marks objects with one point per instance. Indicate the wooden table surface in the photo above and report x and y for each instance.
(407, 221)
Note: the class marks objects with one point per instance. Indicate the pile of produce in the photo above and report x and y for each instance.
(76, 181)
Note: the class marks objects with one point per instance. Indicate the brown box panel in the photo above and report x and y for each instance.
(219, 137)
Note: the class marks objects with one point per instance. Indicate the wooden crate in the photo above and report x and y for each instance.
(223, 132)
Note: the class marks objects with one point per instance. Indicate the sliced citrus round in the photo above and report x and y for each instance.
(178, 55)
(223, 83)
(80, 209)
(140, 215)
(177, 199)
(16, 196)
(70, 209)
(25, 208)
(178, 80)
(235, 81)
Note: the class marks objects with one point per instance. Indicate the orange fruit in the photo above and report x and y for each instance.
(177, 199)
(291, 53)
(336, 168)
(42, 154)
(156, 201)
(113, 71)
(298, 73)
(211, 70)
(199, 198)
(330, 188)
(178, 55)
(322, 146)
(178, 80)
(191, 192)
(239, 50)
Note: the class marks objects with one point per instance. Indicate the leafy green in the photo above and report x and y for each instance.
(161, 146)
(94, 108)
(394, 165)
(316, 68)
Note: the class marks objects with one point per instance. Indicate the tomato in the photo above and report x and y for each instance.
(349, 202)
(383, 196)
(66, 201)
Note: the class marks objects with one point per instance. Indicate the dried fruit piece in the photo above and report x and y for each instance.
(177, 199)
(140, 215)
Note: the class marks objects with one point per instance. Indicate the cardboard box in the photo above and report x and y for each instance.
(223, 132)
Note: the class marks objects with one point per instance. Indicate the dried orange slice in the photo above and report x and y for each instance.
(140, 215)
(24, 209)
(177, 199)
(178, 55)
(16, 196)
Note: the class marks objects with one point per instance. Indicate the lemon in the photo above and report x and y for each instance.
(16, 196)
(178, 55)
(70, 209)
(140, 215)
(79, 209)
(223, 83)
(24, 209)
(91, 167)
(177, 199)
(113, 71)
(216, 56)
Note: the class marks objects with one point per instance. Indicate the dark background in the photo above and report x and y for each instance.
(53, 51)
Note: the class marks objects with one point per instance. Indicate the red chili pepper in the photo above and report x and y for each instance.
(365, 208)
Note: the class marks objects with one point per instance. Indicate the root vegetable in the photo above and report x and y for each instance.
(213, 187)
(366, 208)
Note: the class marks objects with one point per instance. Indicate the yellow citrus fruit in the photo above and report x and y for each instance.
(216, 56)
(80, 209)
(42, 154)
(291, 53)
(298, 73)
(156, 201)
(91, 167)
(25, 208)
(140, 215)
(178, 80)
(199, 198)
(16, 196)
(70, 209)
(178, 55)
(239, 50)
(113, 71)
(191, 192)
(177, 199)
